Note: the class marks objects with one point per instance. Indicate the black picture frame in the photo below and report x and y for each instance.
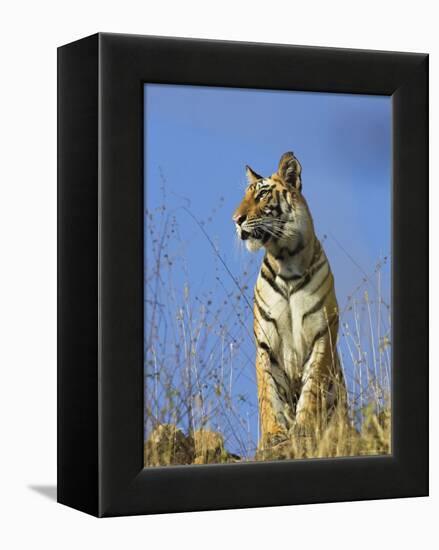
(100, 281)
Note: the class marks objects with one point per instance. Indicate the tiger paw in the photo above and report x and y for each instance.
(274, 446)
(301, 430)
(272, 440)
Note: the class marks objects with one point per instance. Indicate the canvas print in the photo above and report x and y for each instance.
(267, 275)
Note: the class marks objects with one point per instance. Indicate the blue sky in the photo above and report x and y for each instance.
(199, 139)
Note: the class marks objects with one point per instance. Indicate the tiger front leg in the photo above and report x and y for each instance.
(275, 413)
(311, 409)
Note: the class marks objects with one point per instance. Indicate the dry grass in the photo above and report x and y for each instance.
(338, 439)
(167, 445)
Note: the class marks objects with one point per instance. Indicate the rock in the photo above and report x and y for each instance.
(168, 445)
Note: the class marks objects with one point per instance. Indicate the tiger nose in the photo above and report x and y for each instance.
(239, 218)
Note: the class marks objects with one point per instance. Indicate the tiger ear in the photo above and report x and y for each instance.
(252, 177)
(290, 170)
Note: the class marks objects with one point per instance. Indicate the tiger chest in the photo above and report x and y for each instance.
(279, 322)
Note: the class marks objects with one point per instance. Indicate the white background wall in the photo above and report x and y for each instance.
(29, 35)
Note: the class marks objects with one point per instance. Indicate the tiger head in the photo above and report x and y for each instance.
(273, 212)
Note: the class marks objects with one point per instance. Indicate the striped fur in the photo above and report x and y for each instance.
(295, 308)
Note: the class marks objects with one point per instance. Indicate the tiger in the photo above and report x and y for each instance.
(298, 371)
